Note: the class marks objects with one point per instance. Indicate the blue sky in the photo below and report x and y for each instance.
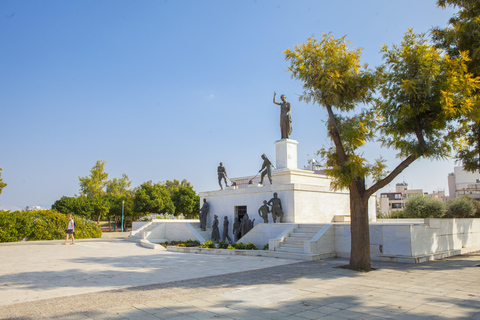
(165, 90)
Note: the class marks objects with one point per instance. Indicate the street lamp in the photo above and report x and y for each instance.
(123, 206)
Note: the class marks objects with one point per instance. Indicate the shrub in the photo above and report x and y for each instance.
(223, 245)
(424, 207)
(192, 243)
(462, 207)
(240, 245)
(43, 225)
(251, 246)
(231, 247)
(266, 247)
(208, 244)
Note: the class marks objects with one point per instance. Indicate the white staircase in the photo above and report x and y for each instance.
(143, 232)
(294, 242)
(206, 235)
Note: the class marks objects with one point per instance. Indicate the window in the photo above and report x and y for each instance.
(240, 211)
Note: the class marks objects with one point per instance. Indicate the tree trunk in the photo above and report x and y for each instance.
(359, 229)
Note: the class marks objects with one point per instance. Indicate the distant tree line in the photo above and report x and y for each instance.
(101, 198)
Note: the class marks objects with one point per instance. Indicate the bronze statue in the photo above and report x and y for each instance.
(285, 117)
(237, 232)
(203, 215)
(215, 231)
(277, 211)
(225, 230)
(263, 211)
(267, 169)
(246, 225)
(222, 174)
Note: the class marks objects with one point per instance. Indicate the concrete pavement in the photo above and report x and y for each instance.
(120, 280)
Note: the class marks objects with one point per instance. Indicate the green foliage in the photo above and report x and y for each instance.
(424, 207)
(94, 185)
(461, 207)
(239, 245)
(424, 92)
(231, 247)
(42, 225)
(460, 38)
(119, 187)
(265, 247)
(331, 73)
(208, 244)
(153, 198)
(393, 214)
(184, 198)
(222, 245)
(2, 184)
(251, 246)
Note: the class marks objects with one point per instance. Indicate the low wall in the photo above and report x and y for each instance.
(415, 241)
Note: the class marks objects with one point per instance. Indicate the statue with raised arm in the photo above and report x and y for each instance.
(285, 117)
(222, 174)
(276, 210)
(203, 215)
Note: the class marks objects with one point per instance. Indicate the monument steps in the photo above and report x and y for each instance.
(144, 233)
(294, 242)
(207, 234)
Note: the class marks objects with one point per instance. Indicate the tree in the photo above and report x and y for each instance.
(2, 184)
(184, 198)
(93, 187)
(119, 187)
(153, 198)
(423, 207)
(461, 207)
(461, 38)
(66, 205)
(422, 94)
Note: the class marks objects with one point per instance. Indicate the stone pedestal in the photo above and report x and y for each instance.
(286, 154)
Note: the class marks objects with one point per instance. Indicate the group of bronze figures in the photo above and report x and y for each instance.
(286, 131)
(241, 226)
(266, 170)
(274, 206)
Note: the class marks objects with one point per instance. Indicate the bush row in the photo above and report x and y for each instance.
(43, 225)
(425, 207)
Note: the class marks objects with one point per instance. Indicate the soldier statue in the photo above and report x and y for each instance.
(222, 174)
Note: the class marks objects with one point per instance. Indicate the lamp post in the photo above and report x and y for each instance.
(123, 206)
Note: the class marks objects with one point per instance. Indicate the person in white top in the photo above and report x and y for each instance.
(70, 229)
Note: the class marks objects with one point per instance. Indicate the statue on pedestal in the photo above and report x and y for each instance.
(277, 211)
(267, 169)
(285, 117)
(263, 211)
(203, 215)
(222, 174)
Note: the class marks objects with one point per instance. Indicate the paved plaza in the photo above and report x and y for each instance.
(111, 279)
